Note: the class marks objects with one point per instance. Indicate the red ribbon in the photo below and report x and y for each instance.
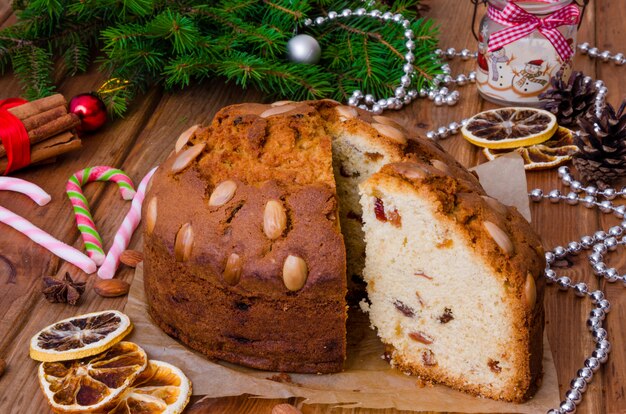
(521, 23)
(14, 136)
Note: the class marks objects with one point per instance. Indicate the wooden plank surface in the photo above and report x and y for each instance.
(145, 137)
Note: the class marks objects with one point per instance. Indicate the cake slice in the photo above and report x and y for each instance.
(453, 279)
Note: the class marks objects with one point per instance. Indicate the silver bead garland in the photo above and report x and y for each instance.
(600, 243)
(439, 93)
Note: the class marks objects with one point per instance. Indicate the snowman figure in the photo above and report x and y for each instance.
(500, 73)
(531, 80)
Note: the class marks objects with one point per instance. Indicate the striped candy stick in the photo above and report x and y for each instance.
(84, 220)
(126, 230)
(36, 193)
(33, 232)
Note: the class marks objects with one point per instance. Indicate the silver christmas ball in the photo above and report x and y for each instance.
(616, 231)
(454, 127)
(585, 373)
(595, 258)
(597, 313)
(560, 252)
(574, 248)
(554, 196)
(583, 47)
(568, 407)
(605, 56)
(591, 190)
(409, 57)
(594, 323)
(610, 243)
(439, 100)
(576, 186)
(604, 305)
(611, 275)
(304, 49)
(563, 171)
(596, 296)
(598, 268)
(376, 109)
(592, 363)
(451, 100)
(471, 76)
(443, 132)
(589, 201)
(550, 274)
(606, 206)
(599, 248)
(431, 135)
(414, 94)
(599, 235)
(572, 198)
(598, 335)
(604, 345)
(465, 54)
(369, 99)
(550, 257)
(593, 52)
(620, 211)
(564, 282)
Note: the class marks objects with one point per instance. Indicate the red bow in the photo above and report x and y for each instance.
(14, 136)
(521, 23)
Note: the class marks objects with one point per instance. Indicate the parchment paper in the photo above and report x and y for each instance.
(368, 381)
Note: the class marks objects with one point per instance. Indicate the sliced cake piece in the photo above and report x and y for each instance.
(453, 279)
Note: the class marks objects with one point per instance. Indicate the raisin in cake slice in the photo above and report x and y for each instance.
(453, 277)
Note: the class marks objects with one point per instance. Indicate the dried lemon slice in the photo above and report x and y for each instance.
(556, 151)
(510, 127)
(93, 383)
(79, 336)
(161, 388)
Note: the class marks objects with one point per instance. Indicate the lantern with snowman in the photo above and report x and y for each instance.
(521, 45)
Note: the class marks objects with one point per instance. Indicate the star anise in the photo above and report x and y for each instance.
(64, 290)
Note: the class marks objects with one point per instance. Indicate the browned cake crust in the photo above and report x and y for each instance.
(464, 202)
(254, 320)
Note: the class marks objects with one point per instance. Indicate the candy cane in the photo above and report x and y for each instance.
(126, 230)
(33, 232)
(36, 193)
(86, 226)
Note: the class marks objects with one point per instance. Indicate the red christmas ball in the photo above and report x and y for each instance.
(91, 111)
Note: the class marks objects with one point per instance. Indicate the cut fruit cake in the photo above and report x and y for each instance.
(453, 281)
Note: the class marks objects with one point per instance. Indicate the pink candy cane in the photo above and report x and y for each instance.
(86, 226)
(22, 186)
(33, 232)
(126, 230)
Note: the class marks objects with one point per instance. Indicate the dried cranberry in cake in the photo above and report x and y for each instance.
(395, 218)
(393, 215)
(379, 210)
(428, 358)
(421, 337)
(404, 308)
(447, 316)
(494, 366)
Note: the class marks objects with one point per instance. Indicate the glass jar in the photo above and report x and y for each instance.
(518, 72)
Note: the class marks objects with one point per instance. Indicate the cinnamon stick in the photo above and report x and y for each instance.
(40, 105)
(53, 147)
(38, 120)
(48, 129)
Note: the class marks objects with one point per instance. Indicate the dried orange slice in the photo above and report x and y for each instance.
(92, 383)
(79, 336)
(556, 151)
(161, 388)
(510, 127)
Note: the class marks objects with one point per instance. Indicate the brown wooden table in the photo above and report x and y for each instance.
(146, 136)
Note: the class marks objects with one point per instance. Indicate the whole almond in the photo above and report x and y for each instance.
(390, 132)
(295, 272)
(495, 204)
(222, 193)
(499, 236)
(285, 409)
(131, 258)
(274, 219)
(3, 366)
(233, 269)
(409, 170)
(281, 103)
(441, 166)
(277, 110)
(110, 288)
(346, 112)
(183, 243)
(184, 138)
(151, 215)
(186, 157)
(530, 291)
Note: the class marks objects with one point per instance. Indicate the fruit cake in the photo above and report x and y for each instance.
(453, 280)
(244, 258)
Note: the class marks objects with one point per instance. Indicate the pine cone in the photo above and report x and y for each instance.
(569, 100)
(602, 145)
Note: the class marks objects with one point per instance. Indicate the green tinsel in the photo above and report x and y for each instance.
(142, 43)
